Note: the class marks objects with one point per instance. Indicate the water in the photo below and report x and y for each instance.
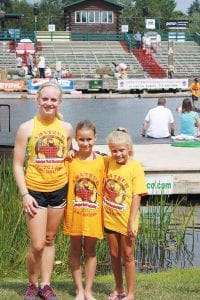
(107, 114)
(154, 256)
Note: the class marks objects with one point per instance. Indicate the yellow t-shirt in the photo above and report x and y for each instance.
(195, 89)
(121, 184)
(47, 149)
(83, 214)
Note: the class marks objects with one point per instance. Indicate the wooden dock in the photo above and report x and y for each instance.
(169, 170)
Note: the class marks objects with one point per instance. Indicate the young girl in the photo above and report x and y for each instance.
(124, 186)
(43, 185)
(83, 216)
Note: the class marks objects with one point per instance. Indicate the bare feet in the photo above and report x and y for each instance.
(89, 297)
(80, 295)
(128, 298)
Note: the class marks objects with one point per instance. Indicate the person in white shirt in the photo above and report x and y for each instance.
(121, 70)
(159, 121)
(42, 66)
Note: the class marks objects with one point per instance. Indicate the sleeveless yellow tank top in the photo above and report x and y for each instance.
(47, 149)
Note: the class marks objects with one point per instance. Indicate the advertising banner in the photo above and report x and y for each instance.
(34, 84)
(95, 84)
(177, 24)
(160, 185)
(15, 85)
(152, 84)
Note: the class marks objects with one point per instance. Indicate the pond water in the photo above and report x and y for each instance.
(180, 248)
(108, 115)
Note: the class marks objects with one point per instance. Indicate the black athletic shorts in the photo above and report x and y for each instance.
(194, 98)
(56, 199)
(106, 230)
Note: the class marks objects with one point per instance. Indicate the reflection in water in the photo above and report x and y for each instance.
(177, 246)
(155, 258)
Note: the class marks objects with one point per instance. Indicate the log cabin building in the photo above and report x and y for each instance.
(99, 16)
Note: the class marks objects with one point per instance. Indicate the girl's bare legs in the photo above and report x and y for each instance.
(127, 245)
(37, 232)
(90, 265)
(75, 264)
(114, 242)
(54, 218)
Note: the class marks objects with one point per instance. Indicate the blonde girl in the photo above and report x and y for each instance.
(43, 186)
(124, 187)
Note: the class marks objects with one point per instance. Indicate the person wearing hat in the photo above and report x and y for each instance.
(195, 89)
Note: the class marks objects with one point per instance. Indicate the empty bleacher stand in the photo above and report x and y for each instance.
(7, 58)
(186, 58)
(82, 58)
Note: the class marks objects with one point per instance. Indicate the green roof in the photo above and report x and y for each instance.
(74, 2)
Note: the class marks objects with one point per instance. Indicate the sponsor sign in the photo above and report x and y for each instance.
(177, 24)
(95, 84)
(150, 23)
(152, 84)
(51, 27)
(15, 85)
(34, 84)
(160, 185)
(124, 28)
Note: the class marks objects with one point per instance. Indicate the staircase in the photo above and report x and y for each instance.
(149, 64)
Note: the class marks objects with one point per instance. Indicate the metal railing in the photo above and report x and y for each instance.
(8, 106)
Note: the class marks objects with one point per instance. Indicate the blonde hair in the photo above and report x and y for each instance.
(121, 135)
(55, 85)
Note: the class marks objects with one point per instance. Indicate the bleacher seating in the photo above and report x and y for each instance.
(7, 58)
(186, 58)
(82, 58)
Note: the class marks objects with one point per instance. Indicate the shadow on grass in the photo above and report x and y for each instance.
(64, 288)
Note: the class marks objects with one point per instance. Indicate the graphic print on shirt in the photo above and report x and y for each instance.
(49, 148)
(115, 194)
(85, 192)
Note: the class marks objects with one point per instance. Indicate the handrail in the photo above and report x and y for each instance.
(7, 105)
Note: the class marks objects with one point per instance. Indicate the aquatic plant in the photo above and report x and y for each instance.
(162, 231)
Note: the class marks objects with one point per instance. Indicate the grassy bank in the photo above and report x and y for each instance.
(178, 284)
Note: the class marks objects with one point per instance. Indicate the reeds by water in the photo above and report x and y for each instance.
(161, 229)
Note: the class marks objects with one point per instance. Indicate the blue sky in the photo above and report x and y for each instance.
(183, 5)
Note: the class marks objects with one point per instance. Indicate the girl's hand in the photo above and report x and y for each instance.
(71, 154)
(30, 205)
(131, 231)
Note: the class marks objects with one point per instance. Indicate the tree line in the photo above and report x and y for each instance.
(133, 14)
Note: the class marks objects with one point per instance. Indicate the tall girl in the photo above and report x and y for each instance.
(83, 217)
(124, 187)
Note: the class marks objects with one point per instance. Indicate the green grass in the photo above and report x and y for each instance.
(178, 284)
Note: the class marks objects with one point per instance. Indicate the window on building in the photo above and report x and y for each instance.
(94, 17)
(81, 17)
(106, 17)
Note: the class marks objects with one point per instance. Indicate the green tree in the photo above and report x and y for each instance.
(157, 9)
(194, 8)
(50, 12)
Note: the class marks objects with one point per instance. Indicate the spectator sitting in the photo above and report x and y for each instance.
(65, 73)
(19, 61)
(121, 70)
(48, 73)
(189, 121)
(159, 122)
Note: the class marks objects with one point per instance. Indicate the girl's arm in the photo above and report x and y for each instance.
(29, 203)
(135, 205)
